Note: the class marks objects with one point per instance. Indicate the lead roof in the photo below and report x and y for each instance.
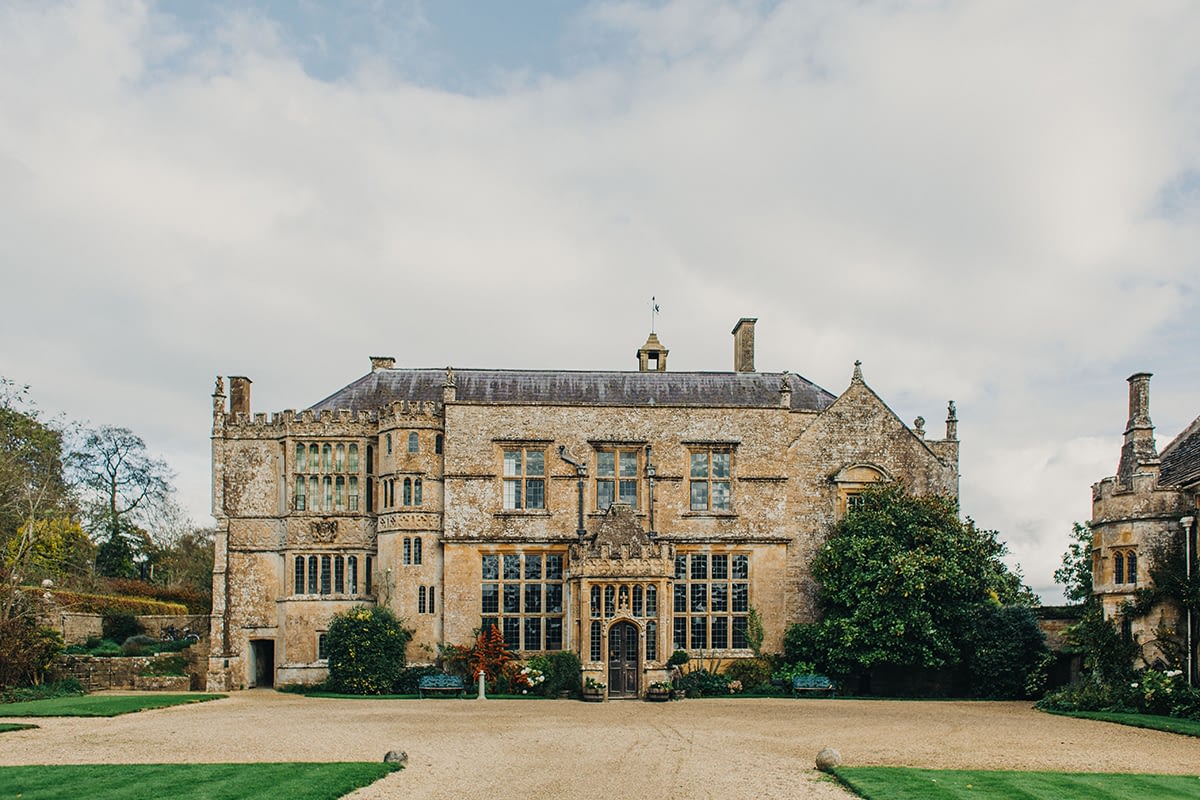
(571, 388)
(1179, 464)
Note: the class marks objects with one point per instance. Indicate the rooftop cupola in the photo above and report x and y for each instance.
(652, 350)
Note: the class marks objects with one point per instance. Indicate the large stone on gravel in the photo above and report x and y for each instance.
(395, 757)
(827, 759)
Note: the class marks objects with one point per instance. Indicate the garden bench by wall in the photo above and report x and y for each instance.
(440, 683)
(811, 683)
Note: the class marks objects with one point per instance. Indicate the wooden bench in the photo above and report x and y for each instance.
(440, 683)
(811, 683)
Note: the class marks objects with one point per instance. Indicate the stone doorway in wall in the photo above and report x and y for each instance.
(262, 652)
(624, 662)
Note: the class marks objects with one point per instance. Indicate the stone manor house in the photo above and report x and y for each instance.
(1152, 498)
(621, 515)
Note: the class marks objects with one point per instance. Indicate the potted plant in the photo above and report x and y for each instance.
(659, 691)
(593, 690)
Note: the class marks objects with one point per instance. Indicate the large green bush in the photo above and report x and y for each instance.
(1004, 653)
(366, 651)
(562, 672)
(751, 673)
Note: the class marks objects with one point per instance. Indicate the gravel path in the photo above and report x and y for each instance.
(565, 749)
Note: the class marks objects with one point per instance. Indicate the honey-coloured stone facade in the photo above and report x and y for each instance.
(620, 515)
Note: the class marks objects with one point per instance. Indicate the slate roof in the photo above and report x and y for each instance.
(1180, 460)
(561, 387)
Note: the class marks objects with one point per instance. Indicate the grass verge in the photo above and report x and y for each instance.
(1187, 727)
(295, 781)
(903, 783)
(95, 705)
(5, 727)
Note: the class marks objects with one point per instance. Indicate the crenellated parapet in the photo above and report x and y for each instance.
(412, 414)
(1142, 499)
(291, 423)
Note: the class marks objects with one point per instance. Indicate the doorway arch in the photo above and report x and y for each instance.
(624, 659)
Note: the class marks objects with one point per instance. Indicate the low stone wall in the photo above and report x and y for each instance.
(95, 673)
(78, 628)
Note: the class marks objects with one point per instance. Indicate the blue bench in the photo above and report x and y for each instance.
(440, 683)
(811, 683)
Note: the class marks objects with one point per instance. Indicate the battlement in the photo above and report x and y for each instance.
(284, 420)
(406, 410)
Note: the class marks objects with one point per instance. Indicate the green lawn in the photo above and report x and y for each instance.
(1187, 727)
(5, 727)
(97, 705)
(190, 781)
(902, 783)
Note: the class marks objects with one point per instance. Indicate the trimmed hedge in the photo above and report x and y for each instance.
(109, 604)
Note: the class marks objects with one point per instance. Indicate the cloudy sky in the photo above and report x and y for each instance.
(991, 202)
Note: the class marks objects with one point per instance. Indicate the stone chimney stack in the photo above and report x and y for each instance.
(239, 395)
(382, 362)
(1139, 449)
(743, 345)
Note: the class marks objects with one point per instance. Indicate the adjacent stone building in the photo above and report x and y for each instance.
(1151, 499)
(621, 515)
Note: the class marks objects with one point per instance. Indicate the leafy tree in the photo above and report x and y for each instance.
(1075, 574)
(123, 488)
(902, 583)
(366, 650)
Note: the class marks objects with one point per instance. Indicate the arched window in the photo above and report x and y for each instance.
(301, 458)
(408, 491)
(314, 494)
(651, 641)
(341, 492)
(1131, 567)
(353, 504)
(352, 458)
(417, 492)
(416, 549)
(595, 601)
(326, 458)
(327, 503)
(431, 609)
(340, 463)
(651, 601)
(339, 575)
(1118, 568)
(314, 458)
(413, 442)
(312, 575)
(299, 585)
(420, 599)
(352, 574)
(609, 601)
(407, 550)
(299, 500)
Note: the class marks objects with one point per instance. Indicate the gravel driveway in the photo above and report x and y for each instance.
(500, 749)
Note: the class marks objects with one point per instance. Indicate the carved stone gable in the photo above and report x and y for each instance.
(621, 548)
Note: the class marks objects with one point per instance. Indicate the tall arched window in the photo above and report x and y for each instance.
(1118, 568)
(352, 458)
(651, 601)
(352, 574)
(327, 458)
(651, 641)
(299, 584)
(314, 458)
(595, 649)
(301, 458)
(417, 492)
(340, 463)
(389, 444)
(416, 549)
(408, 491)
(339, 575)
(312, 574)
(407, 550)
(420, 599)
(1131, 567)
(431, 609)
(595, 601)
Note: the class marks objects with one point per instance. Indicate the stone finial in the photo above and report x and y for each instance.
(449, 388)
(919, 427)
(785, 390)
(857, 376)
(219, 390)
(449, 377)
(951, 421)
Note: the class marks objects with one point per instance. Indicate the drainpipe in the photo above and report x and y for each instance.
(1186, 522)
(580, 474)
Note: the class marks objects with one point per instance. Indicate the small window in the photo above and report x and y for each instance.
(314, 493)
(416, 491)
(341, 492)
(616, 478)
(352, 574)
(407, 550)
(370, 460)
(388, 440)
(652, 641)
(370, 495)
(420, 599)
(413, 442)
(367, 577)
(438, 443)
(353, 501)
(431, 608)
(595, 648)
(408, 491)
(322, 647)
(1131, 567)
(327, 458)
(524, 479)
(299, 584)
(339, 575)
(1118, 568)
(854, 501)
(352, 458)
(301, 458)
(312, 575)
(299, 499)
(325, 574)
(416, 550)
(314, 458)
(340, 462)
(327, 483)
(709, 475)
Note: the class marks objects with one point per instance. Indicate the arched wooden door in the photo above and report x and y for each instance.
(623, 660)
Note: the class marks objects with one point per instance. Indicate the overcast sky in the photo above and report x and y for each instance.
(991, 202)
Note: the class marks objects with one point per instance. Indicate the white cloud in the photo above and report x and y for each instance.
(982, 201)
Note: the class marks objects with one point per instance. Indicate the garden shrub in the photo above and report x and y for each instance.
(172, 666)
(138, 645)
(488, 653)
(366, 650)
(120, 626)
(751, 673)
(27, 651)
(702, 683)
(67, 687)
(678, 658)
(561, 671)
(1005, 653)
